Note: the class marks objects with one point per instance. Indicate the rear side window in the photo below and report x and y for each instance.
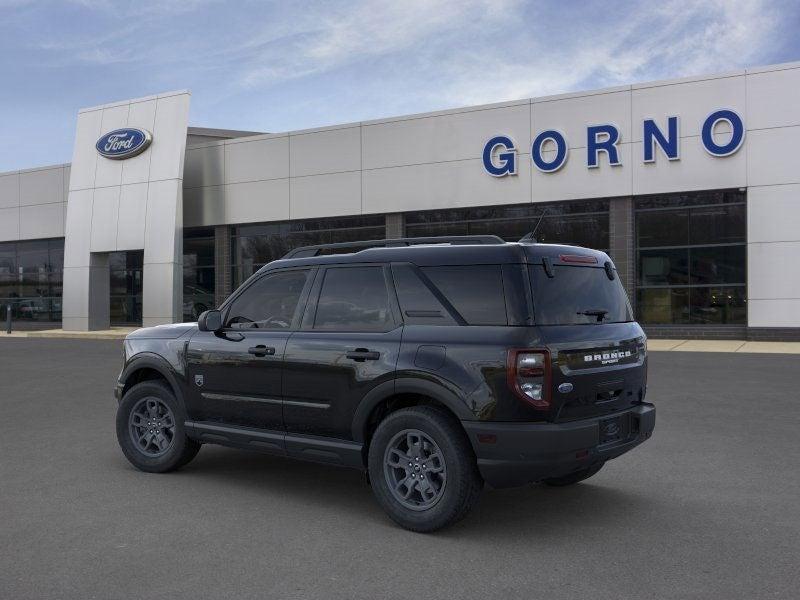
(475, 291)
(354, 299)
(577, 296)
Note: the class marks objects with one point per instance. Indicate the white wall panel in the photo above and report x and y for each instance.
(443, 138)
(132, 213)
(779, 312)
(696, 170)
(258, 160)
(162, 237)
(9, 190)
(105, 214)
(327, 151)
(109, 171)
(41, 221)
(772, 270)
(773, 214)
(773, 156)
(773, 99)
(575, 180)
(76, 296)
(79, 213)
(141, 115)
(325, 195)
(442, 185)
(9, 224)
(43, 186)
(572, 115)
(169, 137)
(84, 157)
(257, 201)
(692, 101)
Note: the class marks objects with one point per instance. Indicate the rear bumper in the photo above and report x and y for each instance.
(523, 453)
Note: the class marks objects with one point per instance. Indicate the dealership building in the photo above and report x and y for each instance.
(692, 186)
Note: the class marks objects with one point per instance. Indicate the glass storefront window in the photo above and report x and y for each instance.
(30, 280)
(126, 287)
(692, 258)
(582, 223)
(253, 246)
(198, 272)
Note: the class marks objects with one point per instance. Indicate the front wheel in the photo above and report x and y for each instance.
(423, 470)
(150, 428)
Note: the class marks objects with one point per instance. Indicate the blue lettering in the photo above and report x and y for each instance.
(507, 158)
(736, 140)
(607, 143)
(561, 151)
(652, 135)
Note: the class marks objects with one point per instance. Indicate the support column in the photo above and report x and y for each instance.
(621, 243)
(395, 225)
(222, 264)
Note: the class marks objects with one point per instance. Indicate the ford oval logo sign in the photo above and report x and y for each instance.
(123, 143)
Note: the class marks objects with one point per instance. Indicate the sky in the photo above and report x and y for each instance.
(283, 65)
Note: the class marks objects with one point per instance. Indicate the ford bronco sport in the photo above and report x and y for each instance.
(435, 365)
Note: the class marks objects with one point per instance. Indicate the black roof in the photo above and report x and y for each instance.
(435, 253)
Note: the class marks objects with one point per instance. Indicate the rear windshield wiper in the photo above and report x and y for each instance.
(594, 312)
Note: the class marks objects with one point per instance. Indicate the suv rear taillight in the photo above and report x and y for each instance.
(528, 374)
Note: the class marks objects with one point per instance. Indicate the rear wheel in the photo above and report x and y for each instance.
(150, 428)
(574, 477)
(422, 469)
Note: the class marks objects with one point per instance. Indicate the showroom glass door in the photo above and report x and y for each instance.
(126, 287)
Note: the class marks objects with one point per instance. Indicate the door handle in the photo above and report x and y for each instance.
(362, 354)
(261, 350)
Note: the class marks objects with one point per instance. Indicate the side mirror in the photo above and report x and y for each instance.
(210, 320)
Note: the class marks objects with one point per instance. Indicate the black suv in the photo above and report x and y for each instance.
(433, 364)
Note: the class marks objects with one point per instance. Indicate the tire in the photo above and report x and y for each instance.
(166, 450)
(453, 484)
(574, 477)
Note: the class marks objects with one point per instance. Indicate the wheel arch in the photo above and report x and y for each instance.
(400, 393)
(147, 367)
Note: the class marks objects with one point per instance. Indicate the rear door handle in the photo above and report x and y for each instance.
(362, 354)
(261, 350)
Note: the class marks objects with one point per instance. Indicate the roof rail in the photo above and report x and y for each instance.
(308, 251)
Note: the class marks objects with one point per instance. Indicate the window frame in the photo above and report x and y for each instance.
(310, 314)
(252, 280)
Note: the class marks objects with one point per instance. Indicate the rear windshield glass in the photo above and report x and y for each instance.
(578, 295)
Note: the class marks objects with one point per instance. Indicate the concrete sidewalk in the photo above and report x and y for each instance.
(723, 346)
(115, 333)
(653, 345)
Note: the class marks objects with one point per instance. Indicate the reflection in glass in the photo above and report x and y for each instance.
(688, 246)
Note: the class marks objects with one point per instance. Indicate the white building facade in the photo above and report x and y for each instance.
(692, 186)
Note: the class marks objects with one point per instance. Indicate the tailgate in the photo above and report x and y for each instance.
(596, 369)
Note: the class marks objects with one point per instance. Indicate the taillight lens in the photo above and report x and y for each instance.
(529, 376)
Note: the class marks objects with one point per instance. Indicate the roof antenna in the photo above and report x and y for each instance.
(531, 237)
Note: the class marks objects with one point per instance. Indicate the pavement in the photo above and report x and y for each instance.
(708, 508)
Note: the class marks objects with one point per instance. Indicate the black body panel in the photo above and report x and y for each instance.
(312, 389)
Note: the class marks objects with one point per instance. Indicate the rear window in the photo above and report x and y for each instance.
(577, 296)
(475, 291)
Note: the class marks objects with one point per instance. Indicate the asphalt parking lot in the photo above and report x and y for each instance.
(709, 508)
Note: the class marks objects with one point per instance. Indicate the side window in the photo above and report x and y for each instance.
(419, 304)
(269, 303)
(475, 291)
(354, 299)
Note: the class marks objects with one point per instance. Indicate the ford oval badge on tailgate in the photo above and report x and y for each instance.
(565, 388)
